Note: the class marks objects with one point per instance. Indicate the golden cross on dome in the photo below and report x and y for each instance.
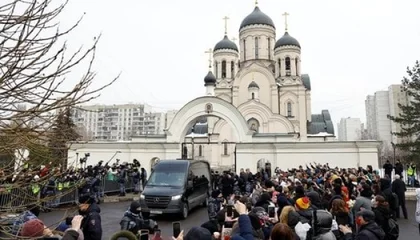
(226, 18)
(209, 52)
(285, 15)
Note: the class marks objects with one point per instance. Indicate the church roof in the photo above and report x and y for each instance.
(209, 79)
(321, 123)
(226, 43)
(253, 85)
(306, 80)
(287, 40)
(257, 17)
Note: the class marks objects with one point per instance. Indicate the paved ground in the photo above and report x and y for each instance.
(112, 213)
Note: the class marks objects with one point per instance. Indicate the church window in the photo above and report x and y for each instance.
(279, 67)
(269, 48)
(256, 48)
(217, 69)
(200, 151)
(239, 64)
(225, 148)
(244, 50)
(253, 95)
(289, 109)
(297, 65)
(232, 69)
(287, 63)
(223, 69)
(253, 125)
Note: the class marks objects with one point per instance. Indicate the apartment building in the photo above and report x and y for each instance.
(378, 107)
(350, 129)
(118, 122)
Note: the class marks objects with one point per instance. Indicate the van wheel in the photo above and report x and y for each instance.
(206, 201)
(185, 210)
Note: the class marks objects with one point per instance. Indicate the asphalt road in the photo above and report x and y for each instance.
(112, 213)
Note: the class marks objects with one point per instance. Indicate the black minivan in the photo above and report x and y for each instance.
(176, 186)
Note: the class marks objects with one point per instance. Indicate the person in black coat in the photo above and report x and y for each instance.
(399, 168)
(388, 168)
(399, 188)
(368, 229)
(91, 223)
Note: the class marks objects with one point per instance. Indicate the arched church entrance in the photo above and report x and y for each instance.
(264, 166)
(196, 142)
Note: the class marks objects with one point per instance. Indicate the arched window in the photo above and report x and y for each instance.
(269, 48)
(279, 67)
(253, 95)
(289, 109)
(200, 151)
(287, 63)
(244, 50)
(239, 64)
(297, 66)
(225, 148)
(256, 47)
(232, 69)
(217, 69)
(223, 69)
(253, 124)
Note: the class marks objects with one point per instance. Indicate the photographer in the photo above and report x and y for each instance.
(122, 175)
(136, 180)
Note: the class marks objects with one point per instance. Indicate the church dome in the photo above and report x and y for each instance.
(257, 17)
(210, 79)
(226, 43)
(253, 85)
(287, 40)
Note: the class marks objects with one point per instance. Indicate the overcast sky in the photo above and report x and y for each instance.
(350, 48)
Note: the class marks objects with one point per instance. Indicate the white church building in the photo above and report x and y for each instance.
(256, 112)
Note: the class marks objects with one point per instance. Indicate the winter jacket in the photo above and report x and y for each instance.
(370, 231)
(91, 223)
(245, 229)
(382, 215)
(213, 208)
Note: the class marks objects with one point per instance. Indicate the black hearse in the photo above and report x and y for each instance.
(176, 186)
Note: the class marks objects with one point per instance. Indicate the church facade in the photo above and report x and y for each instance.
(256, 112)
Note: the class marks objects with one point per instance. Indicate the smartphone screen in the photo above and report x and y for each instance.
(229, 211)
(271, 211)
(144, 234)
(157, 233)
(176, 227)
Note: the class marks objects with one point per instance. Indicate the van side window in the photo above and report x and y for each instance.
(201, 175)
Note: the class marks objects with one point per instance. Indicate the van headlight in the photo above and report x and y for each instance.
(177, 197)
(142, 197)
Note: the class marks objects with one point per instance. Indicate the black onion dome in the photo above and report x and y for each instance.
(287, 40)
(257, 17)
(226, 43)
(209, 79)
(253, 85)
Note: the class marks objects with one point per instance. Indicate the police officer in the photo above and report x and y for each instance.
(136, 180)
(133, 220)
(91, 223)
(121, 179)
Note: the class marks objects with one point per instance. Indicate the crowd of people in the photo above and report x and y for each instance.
(306, 203)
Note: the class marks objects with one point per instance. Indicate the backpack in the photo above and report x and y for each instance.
(393, 230)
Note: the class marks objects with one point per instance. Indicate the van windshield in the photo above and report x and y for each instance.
(171, 176)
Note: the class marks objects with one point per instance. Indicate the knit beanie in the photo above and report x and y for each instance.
(33, 228)
(303, 203)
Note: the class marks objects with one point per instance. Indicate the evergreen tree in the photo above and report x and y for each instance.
(63, 132)
(409, 117)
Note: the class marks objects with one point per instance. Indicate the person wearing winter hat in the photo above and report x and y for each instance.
(303, 203)
(132, 215)
(33, 228)
(196, 233)
(92, 222)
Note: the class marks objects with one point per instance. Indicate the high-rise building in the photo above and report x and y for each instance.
(350, 129)
(378, 107)
(118, 122)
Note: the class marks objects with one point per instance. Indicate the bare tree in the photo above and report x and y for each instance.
(34, 65)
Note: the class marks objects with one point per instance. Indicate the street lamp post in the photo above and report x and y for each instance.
(393, 147)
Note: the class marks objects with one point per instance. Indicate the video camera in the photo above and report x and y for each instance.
(84, 159)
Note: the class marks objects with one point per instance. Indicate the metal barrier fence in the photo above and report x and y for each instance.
(18, 198)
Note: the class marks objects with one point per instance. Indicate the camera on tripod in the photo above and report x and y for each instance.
(84, 159)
